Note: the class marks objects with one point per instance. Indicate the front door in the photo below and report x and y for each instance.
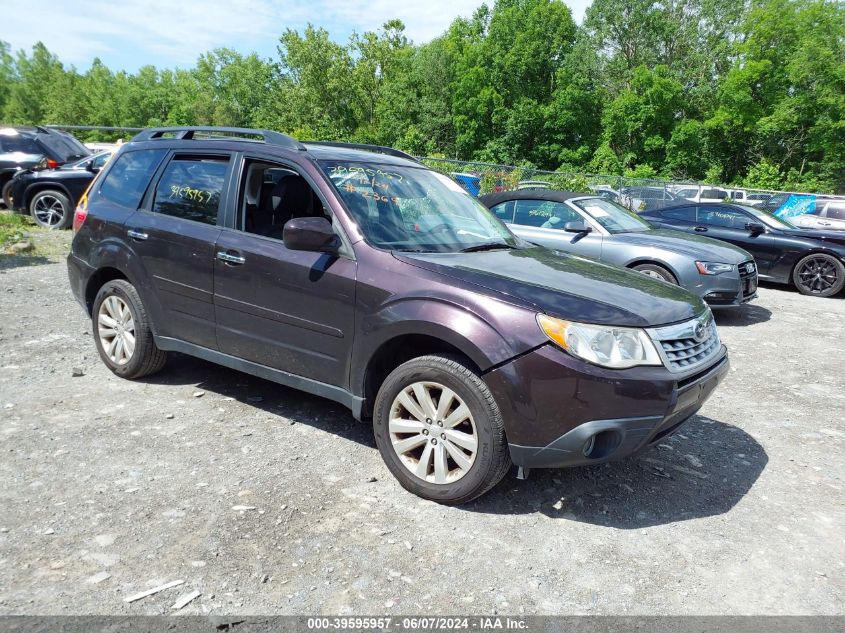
(174, 233)
(285, 309)
(725, 223)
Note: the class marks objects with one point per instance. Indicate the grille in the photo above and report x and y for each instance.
(679, 347)
(748, 278)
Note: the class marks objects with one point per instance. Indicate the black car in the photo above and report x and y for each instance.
(23, 147)
(50, 195)
(358, 274)
(812, 260)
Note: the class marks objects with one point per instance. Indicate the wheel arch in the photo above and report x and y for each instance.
(35, 188)
(639, 261)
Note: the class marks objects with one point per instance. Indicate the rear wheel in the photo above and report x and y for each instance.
(7, 195)
(657, 272)
(819, 275)
(51, 209)
(440, 431)
(122, 332)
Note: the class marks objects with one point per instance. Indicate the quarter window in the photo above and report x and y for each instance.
(191, 188)
(127, 180)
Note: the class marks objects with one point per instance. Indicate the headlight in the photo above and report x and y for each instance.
(713, 268)
(605, 345)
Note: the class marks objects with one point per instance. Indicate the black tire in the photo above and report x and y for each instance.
(653, 270)
(7, 195)
(492, 459)
(146, 358)
(819, 275)
(51, 209)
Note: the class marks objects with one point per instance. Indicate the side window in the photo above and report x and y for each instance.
(504, 211)
(127, 180)
(532, 212)
(272, 194)
(686, 214)
(191, 188)
(561, 214)
(715, 216)
(101, 160)
(836, 212)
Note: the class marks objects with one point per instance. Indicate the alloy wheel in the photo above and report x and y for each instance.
(817, 274)
(432, 432)
(49, 211)
(116, 329)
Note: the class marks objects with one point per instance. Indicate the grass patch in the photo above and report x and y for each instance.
(13, 228)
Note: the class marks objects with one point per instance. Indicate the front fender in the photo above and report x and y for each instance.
(487, 344)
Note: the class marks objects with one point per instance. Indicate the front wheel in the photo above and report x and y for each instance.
(51, 210)
(122, 332)
(819, 275)
(439, 430)
(656, 272)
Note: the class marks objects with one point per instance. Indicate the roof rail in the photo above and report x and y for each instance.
(188, 133)
(379, 149)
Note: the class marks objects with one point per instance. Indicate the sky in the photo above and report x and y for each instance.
(126, 35)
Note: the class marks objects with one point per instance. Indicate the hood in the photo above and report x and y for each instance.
(566, 286)
(829, 237)
(694, 246)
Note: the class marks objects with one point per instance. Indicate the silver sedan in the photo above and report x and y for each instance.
(594, 227)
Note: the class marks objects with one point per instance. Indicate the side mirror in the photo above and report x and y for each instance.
(578, 226)
(310, 234)
(89, 166)
(755, 228)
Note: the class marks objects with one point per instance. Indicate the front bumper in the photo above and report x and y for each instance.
(560, 411)
(730, 290)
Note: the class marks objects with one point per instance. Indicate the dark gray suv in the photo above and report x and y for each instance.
(357, 274)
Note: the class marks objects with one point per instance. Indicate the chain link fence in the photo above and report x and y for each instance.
(637, 194)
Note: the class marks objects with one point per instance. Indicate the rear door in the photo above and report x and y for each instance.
(285, 309)
(542, 222)
(174, 233)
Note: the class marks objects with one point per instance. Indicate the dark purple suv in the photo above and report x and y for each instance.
(355, 273)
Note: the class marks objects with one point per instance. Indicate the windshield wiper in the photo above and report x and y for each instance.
(487, 246)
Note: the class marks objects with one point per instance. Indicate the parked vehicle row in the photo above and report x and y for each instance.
(598, 228)
(49, 196)
(360, 275)
(811, 260)
(23, 148)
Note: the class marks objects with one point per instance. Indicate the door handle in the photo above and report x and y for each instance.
(137, 235)
(230, 259)
(701, 229)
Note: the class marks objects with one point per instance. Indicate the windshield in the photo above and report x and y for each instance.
(768, 218)
(415, 209)
(613, 217)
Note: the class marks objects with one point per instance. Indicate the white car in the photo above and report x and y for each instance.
(703, 194)
(829, 215)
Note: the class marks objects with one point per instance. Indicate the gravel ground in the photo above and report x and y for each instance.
(270, 501)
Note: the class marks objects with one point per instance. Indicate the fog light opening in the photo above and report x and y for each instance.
(601, 444)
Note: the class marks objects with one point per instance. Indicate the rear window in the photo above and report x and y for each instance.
(126, 181)
(63, 147)
(18, 143)
(191, 188)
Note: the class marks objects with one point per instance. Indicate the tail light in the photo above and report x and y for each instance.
(81, 211)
